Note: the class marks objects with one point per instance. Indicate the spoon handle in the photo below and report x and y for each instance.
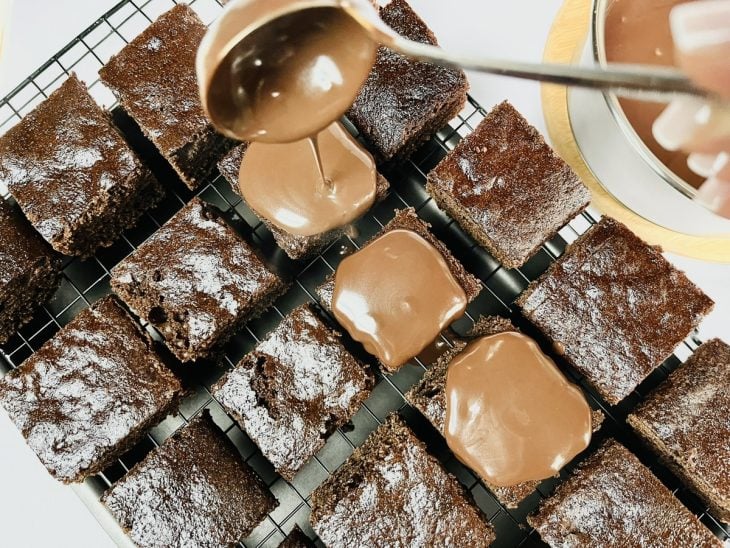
(637, 81)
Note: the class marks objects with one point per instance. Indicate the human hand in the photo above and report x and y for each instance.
(701, 32)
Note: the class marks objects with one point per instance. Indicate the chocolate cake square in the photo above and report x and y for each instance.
(154, 79)
(193, 490)
(195, 280)
(506, 187)
(73, 174)
(294, 390)
(90, 393)
(403, 102)
(297, 539)
(407, 219)
(687, 422)
(295, 246)
(429, 397)
(613, 500)
(392, 492)
(616, 307)
(30, 271)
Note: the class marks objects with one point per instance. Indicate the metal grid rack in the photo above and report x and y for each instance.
(87, 281)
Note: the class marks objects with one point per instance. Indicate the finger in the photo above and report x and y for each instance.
(693, 125)
(715, 195)
(702, 164)
(701, 32)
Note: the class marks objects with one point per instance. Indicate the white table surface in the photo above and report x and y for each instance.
(37, 511)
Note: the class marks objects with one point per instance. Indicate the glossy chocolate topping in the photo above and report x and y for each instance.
(396, 295)
(638, 32)
(510, 413)
(273, 72)
(281, 182)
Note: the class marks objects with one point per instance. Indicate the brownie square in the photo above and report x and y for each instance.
(297, 539)
(687, 422)
(154, 79)
(616, 306)
(429, 397)
(72, 173)
(506, 187)
(90, 393)
(407, 219)
(294, 245)
(196, 281)
(392, 492)
(30, 272)
(294, 390)
(613, 500)
(403, 102)
(193, 490)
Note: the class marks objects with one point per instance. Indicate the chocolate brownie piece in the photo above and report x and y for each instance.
(506, 187)
(296, 388)
(687, 422)
(195, 280)
(90, 393)
(154, 79)
(193, 490)
(616, 307)
(613, 500)
(392, 492)
(403, 102)
(297, 539)
(429, 397)
(295, 246)
(30, 272)
(407, 219)
(73, 175)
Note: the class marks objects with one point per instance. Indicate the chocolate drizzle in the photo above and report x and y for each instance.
(281, 182)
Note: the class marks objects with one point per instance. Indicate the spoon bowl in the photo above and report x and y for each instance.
(283, 70)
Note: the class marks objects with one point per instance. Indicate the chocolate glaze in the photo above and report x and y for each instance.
(638, 32)
(510, 413)
(429, 397)
(281, 182)
(396, 295)
(270, 73)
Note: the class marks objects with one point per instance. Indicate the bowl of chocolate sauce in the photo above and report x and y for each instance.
(631, 31)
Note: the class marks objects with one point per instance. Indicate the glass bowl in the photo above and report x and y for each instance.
(679, 176)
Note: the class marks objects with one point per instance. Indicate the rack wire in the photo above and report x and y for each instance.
(84, 282)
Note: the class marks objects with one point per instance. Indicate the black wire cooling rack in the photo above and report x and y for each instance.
(84, 282)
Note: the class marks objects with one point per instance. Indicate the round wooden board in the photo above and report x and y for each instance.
(564, 45)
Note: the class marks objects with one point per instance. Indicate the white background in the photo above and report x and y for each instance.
(37, 511)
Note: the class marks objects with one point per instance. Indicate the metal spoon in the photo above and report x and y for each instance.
(239, 100)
